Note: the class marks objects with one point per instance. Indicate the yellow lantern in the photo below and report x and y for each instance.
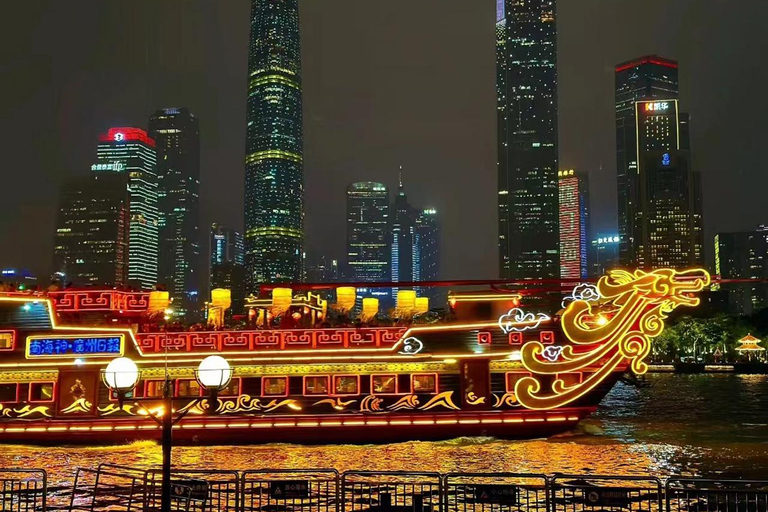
(422, 305)
(346, 297)
(370, 308)
(221, 298)
(406, 300)
(158, 301)
(282, 298)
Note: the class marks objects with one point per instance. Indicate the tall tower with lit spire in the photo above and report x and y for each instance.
(274, 178)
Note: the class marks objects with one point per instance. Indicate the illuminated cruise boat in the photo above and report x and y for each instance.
(494, 367)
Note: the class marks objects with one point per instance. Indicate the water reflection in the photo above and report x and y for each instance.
(706, 425)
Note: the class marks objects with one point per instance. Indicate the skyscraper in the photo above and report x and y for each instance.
(646, 78)
(743, 255)
(666, 223)
(226, 264)
(403, 237)
(132, 151)
(177, 134)
(226, 245)
(526, 83)
(603, 255)
(426, 252)
(368, 247)
(574, 224)
(91, 241)
(274, 181)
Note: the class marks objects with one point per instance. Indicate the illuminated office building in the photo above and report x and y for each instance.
(426, 253)
(91, 240)
(666, 228)
(646, 78)
(176, 133)
(526, 84)
(132, 152)
(743, 255)
(226, 245)
(368, 233)
(574, 224)
(226, 264)
(274, 182)
(603, 254)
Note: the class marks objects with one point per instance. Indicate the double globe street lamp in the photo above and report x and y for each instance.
(122, 375)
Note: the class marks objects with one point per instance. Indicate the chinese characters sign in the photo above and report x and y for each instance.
(63, 346)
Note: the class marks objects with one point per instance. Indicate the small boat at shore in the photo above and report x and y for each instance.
(494, 366)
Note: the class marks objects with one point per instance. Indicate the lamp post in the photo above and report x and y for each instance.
(122, 375)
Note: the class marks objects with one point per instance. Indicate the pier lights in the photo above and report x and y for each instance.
(214, 375)
(121, 377)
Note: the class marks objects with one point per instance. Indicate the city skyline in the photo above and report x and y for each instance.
(421, 187)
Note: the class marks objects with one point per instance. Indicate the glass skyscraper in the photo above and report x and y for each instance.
(132, 151)
(274, 181)
(646, 78)
(177, 134)
(526, 58)
(368, 258)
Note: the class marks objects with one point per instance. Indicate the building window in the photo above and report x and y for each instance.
(274, 386)
(153, 388)
(346, 384)
(316, 385)
(384, 384)
(41, 391)
(424, 383)
(232, 389)
(9, 392)
(512, 379)
(188, 388)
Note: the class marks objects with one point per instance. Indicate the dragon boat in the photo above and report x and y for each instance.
(515, 372)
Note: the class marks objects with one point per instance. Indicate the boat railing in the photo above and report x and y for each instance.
(122, 488)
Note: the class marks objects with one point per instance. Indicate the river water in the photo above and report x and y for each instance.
(713, 425)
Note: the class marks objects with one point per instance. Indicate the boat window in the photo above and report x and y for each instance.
(41, 392)
(346, 384)
(570, 379)
(383, 384)
(232, 389)
(9, 392)
(425, 383)
(187, 387)
(316, 385)
(274, 386)
(153, 389)
(512, 379)
(6, 340)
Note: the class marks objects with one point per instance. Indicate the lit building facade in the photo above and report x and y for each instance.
(274, 181)
(368, 220)
(743, 255)
(574, 223)
(176, 132)
(226, 245)
(643, 79)
(526, 84)
(131, 151)
(426, 253)
(603, 254)
(91, 242)
(666, 226)
(227, 264)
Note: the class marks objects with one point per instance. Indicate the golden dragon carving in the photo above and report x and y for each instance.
(637, 303)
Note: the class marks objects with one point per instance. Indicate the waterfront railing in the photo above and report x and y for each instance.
(121, 488)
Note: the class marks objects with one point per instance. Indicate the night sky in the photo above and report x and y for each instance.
(386, 83)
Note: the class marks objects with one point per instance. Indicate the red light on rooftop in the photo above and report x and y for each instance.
(126, 133)
(651, 59)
